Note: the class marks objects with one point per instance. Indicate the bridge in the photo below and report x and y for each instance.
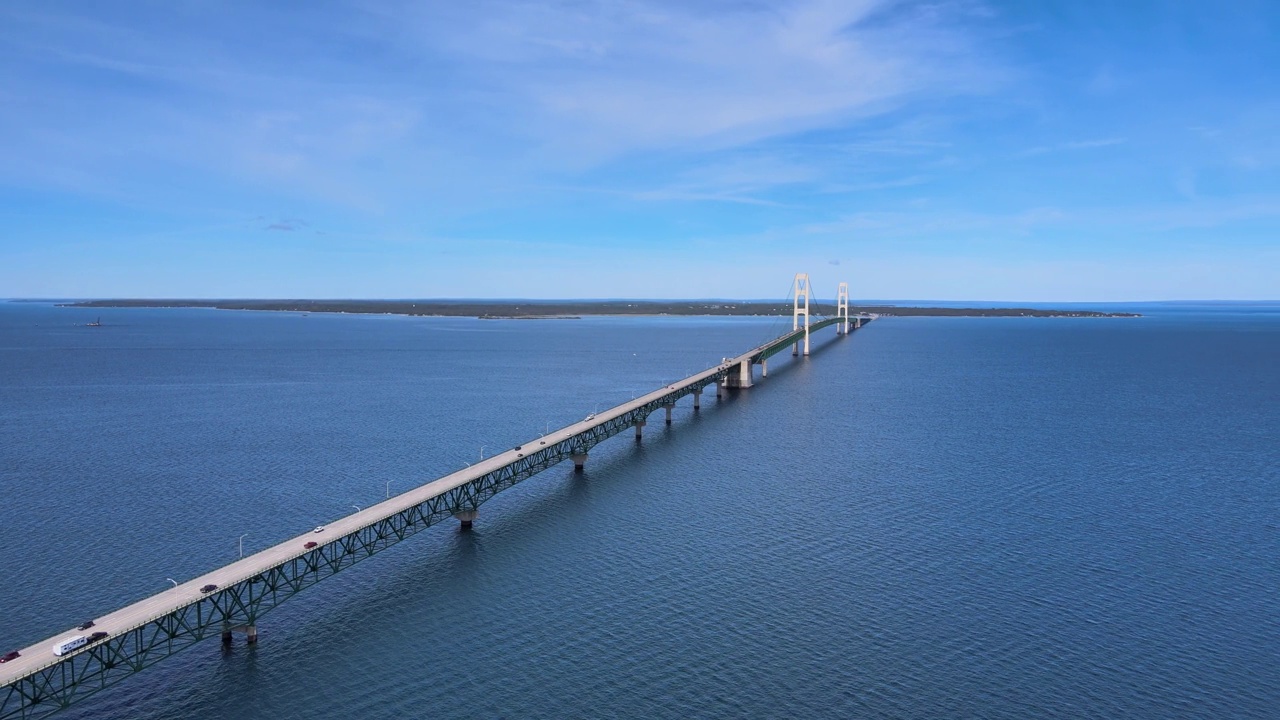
(231, 599)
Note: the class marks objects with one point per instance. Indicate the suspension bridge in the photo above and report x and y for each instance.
(36, 682)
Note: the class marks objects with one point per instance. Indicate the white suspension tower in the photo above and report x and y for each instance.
(798, 288)
(842, 309)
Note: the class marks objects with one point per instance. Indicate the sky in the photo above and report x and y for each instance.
(1036, 151)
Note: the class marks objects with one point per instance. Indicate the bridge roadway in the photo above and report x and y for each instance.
(38, 683)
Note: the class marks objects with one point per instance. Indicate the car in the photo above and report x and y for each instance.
(319, 528)
(208, 588)
(517, 447)
(310, 544)
(85, 626)
(11, 655)
(97, 636)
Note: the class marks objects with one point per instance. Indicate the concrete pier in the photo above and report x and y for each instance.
(668, 409)
(578, 461)
(639, 426)
(697, 400)
(764, 368)
(250, 633)
(466, 517)
(742, 377)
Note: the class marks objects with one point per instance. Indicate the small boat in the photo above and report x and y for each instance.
(95, 323)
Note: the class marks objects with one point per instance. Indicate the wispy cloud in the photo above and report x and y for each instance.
(1074, 145)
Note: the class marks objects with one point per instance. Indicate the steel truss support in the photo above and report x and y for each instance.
(240, 605)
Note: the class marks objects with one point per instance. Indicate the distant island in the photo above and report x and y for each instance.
(574, 309)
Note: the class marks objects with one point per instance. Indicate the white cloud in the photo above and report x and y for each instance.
(603, 78)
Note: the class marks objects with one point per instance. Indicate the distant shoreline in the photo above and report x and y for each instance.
(573, 310)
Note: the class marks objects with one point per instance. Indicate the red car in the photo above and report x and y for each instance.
(11, 655)
(309, 545)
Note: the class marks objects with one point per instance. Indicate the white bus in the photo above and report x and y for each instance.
(71, 643)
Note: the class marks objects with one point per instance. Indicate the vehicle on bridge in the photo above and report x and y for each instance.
(69, 645)
(11, 655)
(96, 637)
(85, 625)
(208, 588)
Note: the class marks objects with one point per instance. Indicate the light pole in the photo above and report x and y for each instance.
(388, 489)
(175, 582)
(357, 507)
(481, 452)
(242, 545)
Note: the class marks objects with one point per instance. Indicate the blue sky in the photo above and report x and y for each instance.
(1039, 151)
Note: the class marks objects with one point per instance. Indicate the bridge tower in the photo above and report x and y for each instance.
(842, 309)
(800, 287)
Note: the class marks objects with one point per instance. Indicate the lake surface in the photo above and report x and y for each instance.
(932, 518)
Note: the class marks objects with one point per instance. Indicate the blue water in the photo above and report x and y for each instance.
(935, 517)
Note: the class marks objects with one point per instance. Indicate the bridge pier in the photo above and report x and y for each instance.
(697, 400)
(764, 368)
(720, 388)
(250, 634)
(668, 409)
(579, 459)
(466, 517)
(742, 377)
(639, 424)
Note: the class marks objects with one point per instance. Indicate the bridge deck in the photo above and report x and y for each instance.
(346, 533)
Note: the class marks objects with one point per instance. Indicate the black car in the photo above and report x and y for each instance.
(85, 626)
(208, 588)
(97, 636)
(11, 655)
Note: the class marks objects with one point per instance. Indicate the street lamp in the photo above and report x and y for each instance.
(175, 582)
(357, 507)
(481, 452)
(242, 545)
(388, 489)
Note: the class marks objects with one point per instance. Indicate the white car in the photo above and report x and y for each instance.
(319, 528)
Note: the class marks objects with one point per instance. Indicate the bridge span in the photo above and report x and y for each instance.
(232, 598)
